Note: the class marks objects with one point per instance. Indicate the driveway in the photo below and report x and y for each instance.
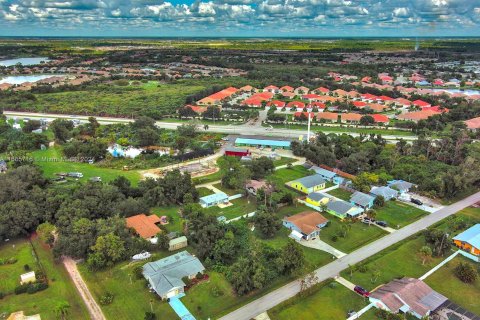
(332, 269)
(322, 246)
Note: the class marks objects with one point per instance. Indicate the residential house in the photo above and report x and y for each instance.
(308, 184)
(402, 102)
(473, 124)
(343, 209)
(272, 89)
(145, 226)
(218, 97)
(296, 104)
(299, 115)
(416, 116)
(321, 90)
(286, 89)
(408, 296)
(386, 192)
(317, 199)
(247, 88)
(307, 223)
(327, 117)
(362, 200)
(165, 275)
(301, 90)
(311, 97)
(469, 241)
(213, 200)
(327, 175)
(400, 185)
(351, 117)
(380, 118)
(177, 243)
(420, 103)
(276, 103)
(253, 186)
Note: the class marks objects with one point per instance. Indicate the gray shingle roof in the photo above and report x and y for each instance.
(311, 181)
(324, 172)
(401, 185)
(167, 273)
(385, 192)
(361, 198)
(316, 196)
(339, 206)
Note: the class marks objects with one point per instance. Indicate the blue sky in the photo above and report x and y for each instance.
(270, 18)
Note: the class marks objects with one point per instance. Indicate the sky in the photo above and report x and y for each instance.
(240, 18)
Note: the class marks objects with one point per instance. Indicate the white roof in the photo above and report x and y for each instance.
(296, 235)
(27, 275)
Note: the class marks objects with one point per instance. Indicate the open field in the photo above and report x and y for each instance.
(52, 161)
(445, 282)
(240, 207)
(357, 236)
(328, 300)
(44, 302)
(398, 214)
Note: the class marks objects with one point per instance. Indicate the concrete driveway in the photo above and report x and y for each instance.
(323, 246)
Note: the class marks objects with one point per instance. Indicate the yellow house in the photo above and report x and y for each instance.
(308, 184)
(317, 199)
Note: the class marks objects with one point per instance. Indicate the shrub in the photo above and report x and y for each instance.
(26, 267)
(35, 287)
(216, 292)
(21, 289)
(137, 272)
(107, 298)
(199, 276)
(466, 272)
(2, 295)
(362, 268)
(150, 316)
(334, 238)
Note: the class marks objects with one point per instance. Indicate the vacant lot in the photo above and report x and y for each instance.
(347, 237)
(445, 282)
(329, 301)
(341, 194)
(398, 214)
(51, 161)
(60, 286)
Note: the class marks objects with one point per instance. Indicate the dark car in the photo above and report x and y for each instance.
(361, 291)
(416, 201)
(381, 223)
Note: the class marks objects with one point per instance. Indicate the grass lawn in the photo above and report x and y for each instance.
(43, 158)
(329, 301)
(281, 176)
(60, 286)
(341, 194)
(398, 261)
(240, 207)
(203, 191)
(228, 191)
(445, 282)
(131, 298)
(398, 214)
(176, 222)
(208, 178)
(283, 161)
(359, 235)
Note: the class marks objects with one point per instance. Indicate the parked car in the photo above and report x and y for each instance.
(96, 179)
(75, 174)
(416, 201)
(361, 291)
(382, 223)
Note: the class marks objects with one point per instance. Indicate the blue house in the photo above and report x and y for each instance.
(386, 192)
(324, 173)
(213, 199)
(362, 200)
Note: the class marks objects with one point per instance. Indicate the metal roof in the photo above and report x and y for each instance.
(263, 142)
(316, 196)
(340, 206)
(361, 198)
(311, 181)
(385, 192)
(471, 236)
(214, 197)
(324, 172)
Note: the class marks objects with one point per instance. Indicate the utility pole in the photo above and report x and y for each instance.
(308, 130)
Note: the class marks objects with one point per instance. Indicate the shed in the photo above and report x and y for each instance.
(177, 243)
(28, 277)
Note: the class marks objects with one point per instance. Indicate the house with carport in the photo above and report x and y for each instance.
(362, 200)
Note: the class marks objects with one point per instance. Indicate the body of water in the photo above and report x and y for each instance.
(29, 78)
(24, 61)
(465, 92)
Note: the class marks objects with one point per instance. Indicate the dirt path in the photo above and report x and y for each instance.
(92, 306)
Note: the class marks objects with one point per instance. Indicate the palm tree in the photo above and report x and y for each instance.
(425, 252)
(371, 214)
(375, 275)
(62, 309)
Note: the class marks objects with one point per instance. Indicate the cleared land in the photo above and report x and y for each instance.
(60, 286)
(52, 161)
(327, 301)
(398, 214)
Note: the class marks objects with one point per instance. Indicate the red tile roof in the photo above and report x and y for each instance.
(287, 88)
(298, 114)
(327, 116)
(351, 117)
(322, 90)
(473, 123)
(359, 104)
(144, 225)
(276, 103)
(380, 118)
(417, 115)
(296, 104)
(421, 103)
(311, 96)
(319, 105)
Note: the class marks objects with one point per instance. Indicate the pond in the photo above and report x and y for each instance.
(467, 92)
(29, 78)
(24, 61)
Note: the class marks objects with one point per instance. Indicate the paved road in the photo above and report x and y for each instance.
(243, 129)
(332, 269)
(93, 308)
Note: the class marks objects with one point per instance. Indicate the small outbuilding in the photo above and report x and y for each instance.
(28, 277)
(177, 243)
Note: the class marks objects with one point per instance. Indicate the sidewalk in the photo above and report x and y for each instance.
(438, 266)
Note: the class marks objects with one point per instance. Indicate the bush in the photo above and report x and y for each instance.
(199, 276)
(137, 272)
(4, 261)
(36, 287)
(107, 298)
(2, 295)
(26, 267)
(21, 289)
(150, 316)
(466, 272)
(216, 292)
(334, 238)
(362, 268)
